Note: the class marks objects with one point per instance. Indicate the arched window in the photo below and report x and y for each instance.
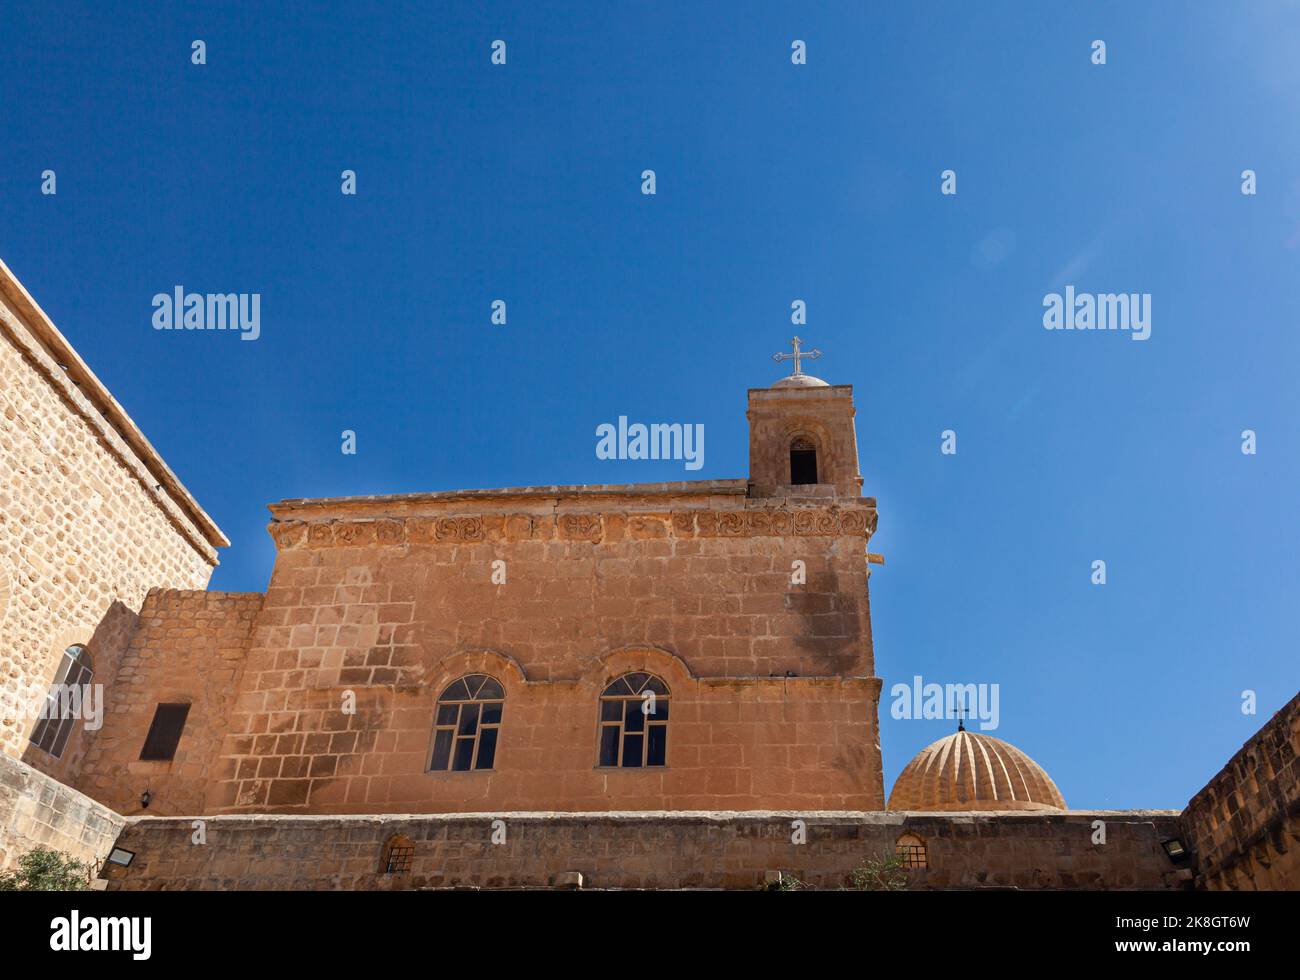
(634, 722)
(64, 704)
(912, 850)
(399, 852)
(466, 725)
(803, 461)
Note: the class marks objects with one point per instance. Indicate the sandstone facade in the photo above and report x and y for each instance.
(91, 518)
(772, 688)
(746, 599)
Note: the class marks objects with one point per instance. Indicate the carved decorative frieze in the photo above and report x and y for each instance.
(393, 531)
(581, 526)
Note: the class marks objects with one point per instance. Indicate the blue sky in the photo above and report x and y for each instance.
(775, 182)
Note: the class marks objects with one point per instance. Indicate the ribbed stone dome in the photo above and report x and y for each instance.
(970, 771)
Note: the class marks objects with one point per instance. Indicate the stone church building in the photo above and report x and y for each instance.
(649, 685)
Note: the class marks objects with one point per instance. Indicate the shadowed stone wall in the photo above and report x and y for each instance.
(649, 850)
(36, 811)
(189, 648)
(1245, 824)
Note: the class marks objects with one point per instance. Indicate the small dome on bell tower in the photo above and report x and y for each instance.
(801, 381)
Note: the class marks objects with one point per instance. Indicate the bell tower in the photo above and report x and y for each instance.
(802, 442)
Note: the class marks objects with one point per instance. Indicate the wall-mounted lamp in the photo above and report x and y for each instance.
(145, 797)
(1174, 848)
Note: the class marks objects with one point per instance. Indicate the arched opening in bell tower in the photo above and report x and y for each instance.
(803, 461)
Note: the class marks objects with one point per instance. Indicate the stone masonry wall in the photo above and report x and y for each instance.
(108, 646)
(189, 648)
(739, 742)
(394, 610)
(1244, 826)
(649, 850)
(81, 528)
(37, 811)
(707, 579)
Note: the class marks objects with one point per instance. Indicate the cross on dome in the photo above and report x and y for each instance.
(797, 379)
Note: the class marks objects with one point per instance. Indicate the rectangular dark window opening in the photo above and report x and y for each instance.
(165, 733)
(464, 755)
(609, 745)
(634, 720)
(632, 748)
(656, 749)
(468, 720)
(441, 750)
(447, 714)
(803, 466)
(487, 748)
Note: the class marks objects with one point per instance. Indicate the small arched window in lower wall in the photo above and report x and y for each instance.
(912, 850)
(399, 852)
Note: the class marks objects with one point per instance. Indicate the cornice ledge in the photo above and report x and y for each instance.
(597, 528)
